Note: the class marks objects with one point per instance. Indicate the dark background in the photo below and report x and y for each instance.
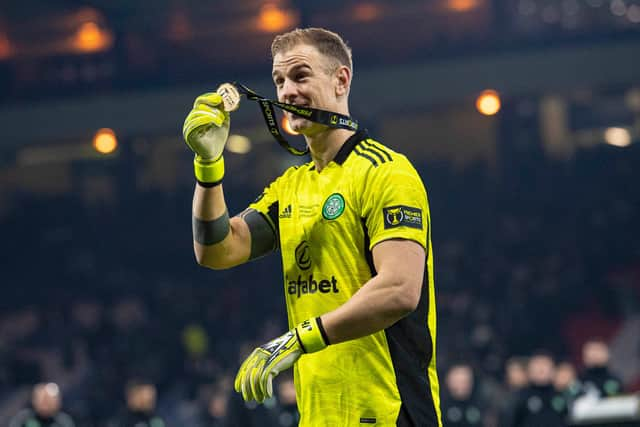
(535, 210)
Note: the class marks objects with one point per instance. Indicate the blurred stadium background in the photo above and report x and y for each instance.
(522, 116)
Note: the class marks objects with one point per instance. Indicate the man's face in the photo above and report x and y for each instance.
(564, 377)
(460, 382)
(303, 76)
(142, 398)
(46, 400)
(595, 354)
(541, 370)
(516, 375)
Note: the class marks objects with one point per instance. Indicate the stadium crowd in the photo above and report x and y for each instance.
(106, 313)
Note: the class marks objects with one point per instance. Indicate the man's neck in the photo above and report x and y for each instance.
(324, 145)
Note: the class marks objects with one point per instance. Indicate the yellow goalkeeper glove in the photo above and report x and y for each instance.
(205, 131)
(255, 377)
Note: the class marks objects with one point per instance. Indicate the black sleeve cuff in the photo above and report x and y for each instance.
(208, 184)
(322, 331)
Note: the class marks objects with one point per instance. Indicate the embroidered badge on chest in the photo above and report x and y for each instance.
(333, 206)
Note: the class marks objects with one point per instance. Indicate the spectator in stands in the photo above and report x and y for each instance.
(565, 379)
(278, 411)
(247, 414)
(214, 411)
(596, 375)
(515, 379)
(460, 408)
(46, 401)
(539, 404)
(286, 411)
(516, 373)
(140, 410)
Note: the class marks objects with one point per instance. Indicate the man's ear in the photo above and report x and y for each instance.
(343, 81)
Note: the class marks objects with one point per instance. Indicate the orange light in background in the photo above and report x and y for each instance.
(90, 38)
(366, 12)
(5, 46)
(488, 103)
(463, 5)
(105, 141)
(273, 19)
(287, 126)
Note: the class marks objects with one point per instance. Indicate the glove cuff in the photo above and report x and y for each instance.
(208, 172)
(311, 335)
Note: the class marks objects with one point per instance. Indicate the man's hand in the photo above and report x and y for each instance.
(255, 377)
(205, 131)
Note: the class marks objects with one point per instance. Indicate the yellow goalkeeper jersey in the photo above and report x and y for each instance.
(327, 224)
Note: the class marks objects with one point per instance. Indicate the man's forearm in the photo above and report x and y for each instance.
(219, 242)
(377, 305)
(210, 225)
(208, 203)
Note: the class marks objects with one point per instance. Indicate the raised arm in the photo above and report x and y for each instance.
(219, 242)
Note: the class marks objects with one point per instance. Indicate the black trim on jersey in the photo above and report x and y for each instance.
(410, 346)
(363, 147)
(367, 252)
(361, 154)
(272, 211)
(349, 145)
(372, 147)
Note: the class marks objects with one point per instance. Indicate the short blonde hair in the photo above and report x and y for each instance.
(327, 42)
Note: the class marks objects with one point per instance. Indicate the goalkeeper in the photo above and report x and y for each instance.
(353, 229)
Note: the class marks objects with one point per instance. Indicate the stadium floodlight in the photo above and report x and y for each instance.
(105, 141)
(238, 144)
(488, 103)
(617, 136)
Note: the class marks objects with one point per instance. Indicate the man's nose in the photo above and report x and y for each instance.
(288, 92)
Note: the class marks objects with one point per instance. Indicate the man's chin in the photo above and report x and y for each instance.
(300, 125)
(306, 127)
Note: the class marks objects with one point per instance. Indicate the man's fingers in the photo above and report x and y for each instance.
(269, 387)
(266, 379)
(247, 392)
(240, 377)
(212, 99)
(256, 388)
(237, 385)
(210, 114)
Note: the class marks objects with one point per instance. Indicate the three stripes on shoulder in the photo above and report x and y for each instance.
(375, 153)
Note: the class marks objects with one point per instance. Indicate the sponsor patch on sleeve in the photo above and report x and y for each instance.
(402, 216)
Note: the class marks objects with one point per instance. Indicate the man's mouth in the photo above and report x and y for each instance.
(300, 104)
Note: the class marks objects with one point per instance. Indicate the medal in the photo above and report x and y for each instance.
(230, 96)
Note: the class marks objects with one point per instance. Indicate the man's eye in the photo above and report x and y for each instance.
(301, 77)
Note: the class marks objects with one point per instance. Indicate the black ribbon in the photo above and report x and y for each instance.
(327, 118)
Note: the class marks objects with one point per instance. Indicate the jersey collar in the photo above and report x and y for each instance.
(349, 145)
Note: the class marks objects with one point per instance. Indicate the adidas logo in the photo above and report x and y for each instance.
(286, 212)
